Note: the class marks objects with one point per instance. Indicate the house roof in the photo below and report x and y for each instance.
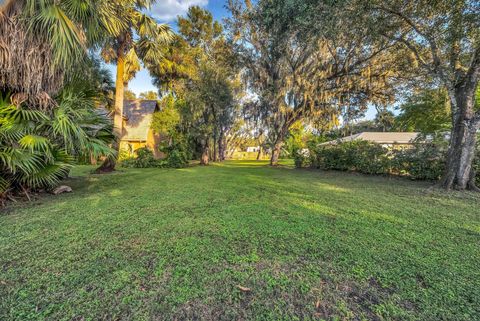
(379, 138)
(138, 116)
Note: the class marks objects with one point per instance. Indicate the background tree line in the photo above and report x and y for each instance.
(318, 59)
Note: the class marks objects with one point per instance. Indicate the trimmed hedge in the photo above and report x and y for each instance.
(423, 162)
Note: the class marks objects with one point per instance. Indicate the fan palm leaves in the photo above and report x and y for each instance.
(40, 40)
(38, 148)
(132, 65)
(27, 158)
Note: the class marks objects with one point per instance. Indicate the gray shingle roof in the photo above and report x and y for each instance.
(138, 117)
(380, 138)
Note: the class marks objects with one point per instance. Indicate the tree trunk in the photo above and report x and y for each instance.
(221, 146)
(259, 154)
(204, 160)
(277, 148)
(459, 173)
(110, 162)
(215, 146)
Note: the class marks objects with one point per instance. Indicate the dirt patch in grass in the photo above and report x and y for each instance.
(283, 288)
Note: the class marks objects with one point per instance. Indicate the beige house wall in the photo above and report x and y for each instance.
(153, 141)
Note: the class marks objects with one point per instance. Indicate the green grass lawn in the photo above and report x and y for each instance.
(159, 244)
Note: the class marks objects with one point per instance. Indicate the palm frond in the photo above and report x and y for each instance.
(35, 143)
(164, 34)
(150, 51)
(4, 185)
(18, 159)
(47, 176)
(67, 40)
(132, 65)
(146, 26)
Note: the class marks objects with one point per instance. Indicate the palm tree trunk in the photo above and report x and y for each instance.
(110, 162)
(119, 92)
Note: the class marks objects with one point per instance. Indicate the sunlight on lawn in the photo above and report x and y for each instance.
(187, 238)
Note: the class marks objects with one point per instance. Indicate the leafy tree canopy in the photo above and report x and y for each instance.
(426, 111)
(129, 95)
(148, 95)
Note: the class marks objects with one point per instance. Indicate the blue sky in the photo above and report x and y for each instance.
(166, 11)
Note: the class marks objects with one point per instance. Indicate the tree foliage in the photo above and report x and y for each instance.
(148, 95)
(443, 38)
(427, 111)
(167, 120)
(385, 119)
(303, 75)
(129, 94)
(199, 72)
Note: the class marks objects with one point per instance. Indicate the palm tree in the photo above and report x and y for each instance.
(141, 38)
(41, 40)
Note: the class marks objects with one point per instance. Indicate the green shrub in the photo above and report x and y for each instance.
(144, 159)
(176, 152)
(357, 156)
(301, 158)
(426, 161)
(176, 157)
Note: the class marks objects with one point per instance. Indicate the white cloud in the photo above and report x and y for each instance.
(168, 10)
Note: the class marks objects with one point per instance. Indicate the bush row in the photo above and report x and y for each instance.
(424, 161)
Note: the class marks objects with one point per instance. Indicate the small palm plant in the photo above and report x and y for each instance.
(38, 147)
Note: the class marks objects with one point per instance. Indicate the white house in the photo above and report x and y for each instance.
(253, 149)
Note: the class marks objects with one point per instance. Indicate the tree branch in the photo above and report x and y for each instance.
(412, 48)
(438, 66)
(473, 73)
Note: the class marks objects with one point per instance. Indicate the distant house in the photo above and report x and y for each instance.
(137, 119)
(389, 140)
(253, 149)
